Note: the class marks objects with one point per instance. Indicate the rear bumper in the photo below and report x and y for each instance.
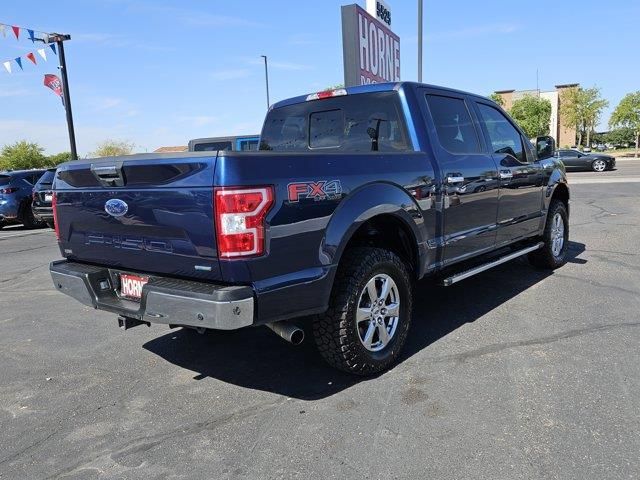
(164, 300)
(43, 213)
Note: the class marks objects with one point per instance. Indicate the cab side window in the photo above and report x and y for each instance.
(503, 135)
(453, 123)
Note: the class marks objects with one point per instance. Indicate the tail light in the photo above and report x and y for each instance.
(8, 190)
(240, 219)
(54, 206)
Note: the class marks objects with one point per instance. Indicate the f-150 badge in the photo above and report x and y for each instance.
(320, 190)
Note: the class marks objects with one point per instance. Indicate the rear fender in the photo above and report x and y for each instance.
(363, 204)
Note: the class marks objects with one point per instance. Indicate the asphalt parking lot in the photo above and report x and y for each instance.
(515, 373)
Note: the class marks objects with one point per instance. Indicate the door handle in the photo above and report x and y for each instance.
(455, 179)
(505, 175)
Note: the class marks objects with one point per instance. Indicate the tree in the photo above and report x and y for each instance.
(113, 148)
(58, 158)
(22, 155)
(533, 114)
(581, 108)
(496, 97)
(620, 136)
(627, 114)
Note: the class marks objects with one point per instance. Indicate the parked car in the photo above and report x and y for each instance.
(42, 197)
(348, 203)
(576, 160)
(15, 197)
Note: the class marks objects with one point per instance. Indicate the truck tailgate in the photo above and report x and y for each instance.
(146, 213)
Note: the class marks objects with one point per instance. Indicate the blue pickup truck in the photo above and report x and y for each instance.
(353, 196)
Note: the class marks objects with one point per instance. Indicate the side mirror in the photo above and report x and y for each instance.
(545, 147)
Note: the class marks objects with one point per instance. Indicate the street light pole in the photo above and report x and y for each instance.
(420, 41)
(266, 79)
(60, 39)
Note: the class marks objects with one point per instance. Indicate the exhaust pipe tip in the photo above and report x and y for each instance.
(288, 331)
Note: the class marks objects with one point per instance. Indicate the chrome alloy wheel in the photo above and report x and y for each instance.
(557, 235)
(599, 165)
(378, 312)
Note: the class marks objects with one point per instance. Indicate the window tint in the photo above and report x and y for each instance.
(352, 123)
(5, 179)
(212, 146)
(453, 123)
(47, 177)
(503, 135)
(326, 129)
(248, 145)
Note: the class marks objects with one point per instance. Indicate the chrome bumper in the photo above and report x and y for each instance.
(164, 300)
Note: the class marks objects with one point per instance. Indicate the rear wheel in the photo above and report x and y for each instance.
(599, 166)
(553, 253)
(368, 319)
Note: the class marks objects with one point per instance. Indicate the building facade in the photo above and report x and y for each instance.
(565, 136)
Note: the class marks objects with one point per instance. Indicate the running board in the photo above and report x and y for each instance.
(470, 273)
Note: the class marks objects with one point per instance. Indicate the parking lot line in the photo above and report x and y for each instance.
(10, 234)
(577, 181)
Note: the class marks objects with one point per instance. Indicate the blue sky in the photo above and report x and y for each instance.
(161, 72)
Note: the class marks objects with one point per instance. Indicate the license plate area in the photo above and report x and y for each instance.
(131, 286)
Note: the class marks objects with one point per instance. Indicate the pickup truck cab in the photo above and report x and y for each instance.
(354, 195)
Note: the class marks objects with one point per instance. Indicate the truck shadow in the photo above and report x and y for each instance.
(257, 359)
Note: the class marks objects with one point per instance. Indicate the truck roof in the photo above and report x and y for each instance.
(375, 87)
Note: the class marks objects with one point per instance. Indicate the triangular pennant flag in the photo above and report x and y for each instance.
(16, 32)
(7, 65)
(42, 53)
(53, 47)
(31, 36)
(19, 62)
(31, 57)
(3, 30)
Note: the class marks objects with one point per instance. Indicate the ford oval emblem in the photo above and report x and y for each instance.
(116, 207)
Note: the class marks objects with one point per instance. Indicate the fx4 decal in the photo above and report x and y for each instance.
(320, 190)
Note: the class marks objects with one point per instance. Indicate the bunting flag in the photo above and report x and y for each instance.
(54, 83)
(31, 56)
(33, 35)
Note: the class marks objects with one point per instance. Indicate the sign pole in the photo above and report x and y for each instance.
(419, 41)
(60, 39)
(266, 79)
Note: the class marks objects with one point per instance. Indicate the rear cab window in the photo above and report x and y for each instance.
(5, 179)
(352, 123)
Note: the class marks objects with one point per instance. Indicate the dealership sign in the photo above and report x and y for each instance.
(370, 50)
(380, 10)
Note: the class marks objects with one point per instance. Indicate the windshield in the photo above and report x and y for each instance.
(5, 179)
(352, 123)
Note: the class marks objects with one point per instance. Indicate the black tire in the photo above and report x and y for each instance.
(27, 219)
(545, 256)
(336, 333)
